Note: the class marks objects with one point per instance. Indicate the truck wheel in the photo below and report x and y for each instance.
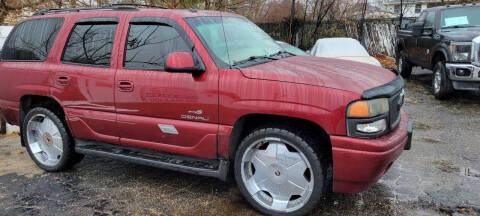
(48, 143)
(404, 67)
(279, 173)
(441, 84)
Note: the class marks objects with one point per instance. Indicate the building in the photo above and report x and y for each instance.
(411, 8)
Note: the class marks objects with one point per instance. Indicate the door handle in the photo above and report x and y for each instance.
(63, 80)
(125, 86)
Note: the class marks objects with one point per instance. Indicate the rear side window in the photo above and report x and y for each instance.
(90, 44)
(148, 46)
(31, 40)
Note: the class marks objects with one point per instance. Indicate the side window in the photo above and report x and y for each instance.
(421, 17)
(430, 20)
(90, 44)
(31, 40)
(148, 45)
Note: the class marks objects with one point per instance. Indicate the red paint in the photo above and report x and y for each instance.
(359, 163)
(125, 107)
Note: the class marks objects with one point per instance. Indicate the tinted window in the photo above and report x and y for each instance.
(148, 46)
(90, 44)
(31, 40)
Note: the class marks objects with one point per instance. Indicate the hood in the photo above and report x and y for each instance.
(461, 34)
(326, 72)
(362, 59)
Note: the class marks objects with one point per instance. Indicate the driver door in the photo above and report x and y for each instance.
(426, 40)
(159, 110)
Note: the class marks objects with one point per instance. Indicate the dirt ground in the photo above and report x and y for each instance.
(439, 176)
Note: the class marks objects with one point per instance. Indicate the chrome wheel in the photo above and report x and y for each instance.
(44, 140)
(437, 81)
(277, 175)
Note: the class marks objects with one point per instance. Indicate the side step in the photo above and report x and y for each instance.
(197, 166)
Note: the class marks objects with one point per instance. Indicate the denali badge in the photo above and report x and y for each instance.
(192, 117)
(168, 129)
(195, 115)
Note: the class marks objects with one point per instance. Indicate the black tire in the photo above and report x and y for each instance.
(404, 66)
(69, 157)
(445, 87)
(306, 146)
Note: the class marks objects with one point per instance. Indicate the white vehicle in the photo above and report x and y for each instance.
(343, 48)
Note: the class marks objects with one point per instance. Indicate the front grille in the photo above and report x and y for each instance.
(396, 102)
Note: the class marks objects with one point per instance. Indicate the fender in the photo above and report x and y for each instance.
(440, 48)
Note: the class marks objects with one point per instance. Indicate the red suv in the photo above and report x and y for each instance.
(201, 92)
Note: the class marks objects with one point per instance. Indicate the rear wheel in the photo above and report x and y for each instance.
(279, 173)
(441, 84)
(404, 67)
(47, 140)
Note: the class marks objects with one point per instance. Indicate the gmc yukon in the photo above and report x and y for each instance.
(201, 92)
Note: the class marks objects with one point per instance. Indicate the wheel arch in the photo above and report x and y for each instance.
(27, 102)
(249, 122)
(438, 54)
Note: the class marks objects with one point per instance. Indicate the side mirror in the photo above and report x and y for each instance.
(182, 62)
(417, 28)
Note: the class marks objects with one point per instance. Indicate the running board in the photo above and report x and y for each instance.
(212, 168)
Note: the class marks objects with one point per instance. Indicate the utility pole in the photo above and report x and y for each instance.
(292, 19)
(401, 14)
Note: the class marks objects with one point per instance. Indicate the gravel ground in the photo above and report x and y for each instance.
(439, 176)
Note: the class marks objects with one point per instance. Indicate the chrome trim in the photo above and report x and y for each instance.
(475, 75)
(476, 49)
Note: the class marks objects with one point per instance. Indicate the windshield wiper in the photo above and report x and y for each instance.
(253, 58)
(282, 52)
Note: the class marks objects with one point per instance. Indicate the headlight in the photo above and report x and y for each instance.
(367, 118)
(461, 51)
(374, 127)
(368, 108)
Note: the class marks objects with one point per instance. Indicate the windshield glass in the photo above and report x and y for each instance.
(460, 17)
(240, 41)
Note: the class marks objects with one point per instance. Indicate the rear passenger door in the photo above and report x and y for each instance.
(165, 111)
(84, 79)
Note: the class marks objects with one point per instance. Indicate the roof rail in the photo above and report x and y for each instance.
(103, 7)
(136, 5)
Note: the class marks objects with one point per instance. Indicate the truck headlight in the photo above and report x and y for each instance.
(368, 108)
(461, 51)
(373, 127)
(367, 118)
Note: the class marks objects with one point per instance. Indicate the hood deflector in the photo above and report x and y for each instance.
(385, 90)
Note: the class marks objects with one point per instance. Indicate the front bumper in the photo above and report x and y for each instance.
(470, 82)
(360, 163)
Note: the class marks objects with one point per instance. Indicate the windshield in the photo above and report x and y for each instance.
(460, 17)
(240, 41)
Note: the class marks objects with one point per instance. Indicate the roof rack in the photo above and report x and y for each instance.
(103, 7)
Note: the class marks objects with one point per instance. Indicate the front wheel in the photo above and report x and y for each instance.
(279, 173)
(441, 84)
(404, 67)
(47, 140)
